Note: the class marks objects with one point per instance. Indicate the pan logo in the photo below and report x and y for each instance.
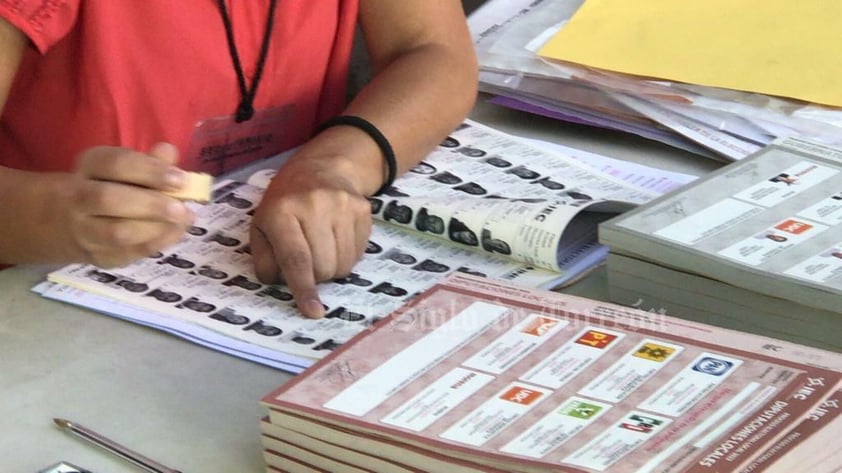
(712, 366)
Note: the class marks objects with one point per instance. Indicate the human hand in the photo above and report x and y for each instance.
(116, 212)
(312, 225)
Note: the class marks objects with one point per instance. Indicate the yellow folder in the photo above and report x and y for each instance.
(789, 48)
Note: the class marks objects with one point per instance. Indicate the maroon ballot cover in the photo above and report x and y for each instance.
(488, 376)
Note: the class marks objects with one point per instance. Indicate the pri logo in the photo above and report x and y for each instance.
(793, 226)
(712, 366)
(539, 326)
(521, 395)
(596, 339)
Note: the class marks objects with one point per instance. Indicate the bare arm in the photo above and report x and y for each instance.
(425, 80)
(424, 84)
(90, 215)
(12, 44)
(27, 197)
(314, 228)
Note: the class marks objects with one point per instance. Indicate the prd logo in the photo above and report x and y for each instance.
(654, 352)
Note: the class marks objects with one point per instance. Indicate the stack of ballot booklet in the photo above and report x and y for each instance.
(483, 202)
(754, 246)
(478, 375)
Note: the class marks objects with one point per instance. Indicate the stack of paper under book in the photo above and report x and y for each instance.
(717, 78)
(755, 246)
(478, 375)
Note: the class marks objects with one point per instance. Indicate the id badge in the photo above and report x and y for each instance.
(220, 144)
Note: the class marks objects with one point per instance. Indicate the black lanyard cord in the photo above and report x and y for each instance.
(245, 109)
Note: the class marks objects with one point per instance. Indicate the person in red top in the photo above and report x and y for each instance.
(105, 103)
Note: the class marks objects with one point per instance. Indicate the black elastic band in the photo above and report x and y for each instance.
(376, 135)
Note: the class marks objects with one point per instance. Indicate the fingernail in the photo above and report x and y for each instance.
(174, 177)
(177, 211)
(189, 216)
(165, 148)
(312, 308)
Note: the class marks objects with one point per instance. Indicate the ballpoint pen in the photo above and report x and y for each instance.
(105, 443)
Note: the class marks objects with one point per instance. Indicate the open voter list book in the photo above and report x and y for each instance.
(483, 202)
(477, 375)
(754, 246)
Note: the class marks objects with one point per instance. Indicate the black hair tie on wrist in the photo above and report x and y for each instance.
(376, 135)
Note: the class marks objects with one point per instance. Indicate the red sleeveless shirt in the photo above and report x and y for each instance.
(136, 72)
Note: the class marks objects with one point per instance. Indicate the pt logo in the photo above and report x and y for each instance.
(596, 339)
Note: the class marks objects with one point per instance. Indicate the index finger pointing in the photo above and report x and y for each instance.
(295, 261)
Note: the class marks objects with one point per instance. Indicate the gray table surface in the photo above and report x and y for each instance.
(186, 406)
